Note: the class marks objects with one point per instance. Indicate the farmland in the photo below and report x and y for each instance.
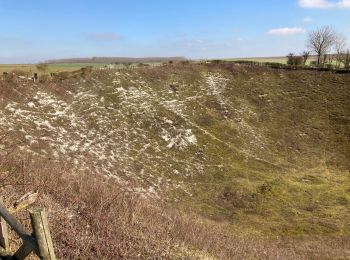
(262, 154)
(57, 67)
(282, 60)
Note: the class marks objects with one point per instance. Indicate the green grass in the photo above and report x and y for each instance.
(59, 67)
(306, 191)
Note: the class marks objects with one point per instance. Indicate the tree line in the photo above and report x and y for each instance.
(328, 45)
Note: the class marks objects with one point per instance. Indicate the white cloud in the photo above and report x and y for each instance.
(307, 20)
(344, 4)
(324, 4)
(286, 31)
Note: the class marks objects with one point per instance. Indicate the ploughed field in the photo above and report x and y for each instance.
(264, 150)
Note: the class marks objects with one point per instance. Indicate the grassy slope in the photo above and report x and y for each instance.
(269, 155)
(272, 137)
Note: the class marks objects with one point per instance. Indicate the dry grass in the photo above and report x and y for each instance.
(92, 217)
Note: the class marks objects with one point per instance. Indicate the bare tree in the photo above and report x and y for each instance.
(339, 47)
(346, 59)
(331, 58)
(305, 56)
(290, 58)
(321, 41)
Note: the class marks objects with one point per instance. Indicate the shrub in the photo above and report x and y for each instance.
(294, 60)
(86, 70)
(217, 61)
(44, 78)
(185, 62)
(274, 65)
(313, 63)
(305, 56)
(346, 59)
(42, 67)
(18, 72)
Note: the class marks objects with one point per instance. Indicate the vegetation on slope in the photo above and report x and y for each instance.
(264, 151)
(92, 217)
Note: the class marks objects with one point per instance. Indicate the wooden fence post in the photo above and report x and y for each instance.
(42, 234)
(4, 239)
(29, 243)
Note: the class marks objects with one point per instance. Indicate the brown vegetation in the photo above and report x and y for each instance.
(42, 67)
(93, 217)
(295, 60)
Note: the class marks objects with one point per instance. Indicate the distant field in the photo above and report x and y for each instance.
(282, 60)
(58, 67)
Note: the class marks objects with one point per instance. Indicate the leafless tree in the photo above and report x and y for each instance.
(339, 48)
(321, 41)
(345, 58)
(331, 58)
(305, 56)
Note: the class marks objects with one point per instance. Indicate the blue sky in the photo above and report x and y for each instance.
(36, 30)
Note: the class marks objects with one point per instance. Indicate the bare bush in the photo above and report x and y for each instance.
(305, 56)
(42, 67)
(294, 60)
(339, 47)
(345, 59)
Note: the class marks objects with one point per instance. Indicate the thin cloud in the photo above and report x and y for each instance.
(104, 36)
(307, 20)
(325, 4)
(286, 31)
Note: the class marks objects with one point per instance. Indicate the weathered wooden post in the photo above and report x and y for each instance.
(4, 239)
(29, 243)
(42, 234)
